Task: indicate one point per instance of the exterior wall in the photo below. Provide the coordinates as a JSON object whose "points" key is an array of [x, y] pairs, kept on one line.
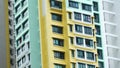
{"points": [[73, 22], [27, 38], [4, 33], [35, 44], [111, 33], [11, 34], [47, 35]]}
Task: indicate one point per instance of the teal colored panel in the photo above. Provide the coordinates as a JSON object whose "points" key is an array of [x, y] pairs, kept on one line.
{"points": [[34, 34]]}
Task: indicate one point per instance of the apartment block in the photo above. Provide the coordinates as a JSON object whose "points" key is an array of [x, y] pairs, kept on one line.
{"points": [[11, 34], [27, 34], [86, 10], [110, 29], [59, 33], [71, 34]]}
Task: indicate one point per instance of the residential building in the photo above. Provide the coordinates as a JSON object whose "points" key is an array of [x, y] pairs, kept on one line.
{"points": [[110, 30], [71, 34], [11, 33], [27, 34], [60, 33]]}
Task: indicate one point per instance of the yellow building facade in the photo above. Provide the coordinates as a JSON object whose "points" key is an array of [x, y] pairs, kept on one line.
{"points": [[60, 49]]}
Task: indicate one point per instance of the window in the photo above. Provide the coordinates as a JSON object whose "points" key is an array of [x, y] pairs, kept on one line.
{"points": [[25, 24], [56, 17], [29, 66], [56, 4], [86, 7], [80, 54], [69, 15], [95, 6], [90, 66], [77, 16], [18, 19], [86, 18], [25, 36], [79, 41], [11, 61], [11, 52], [71, 40], [88, 30], [57, 29], [25, 13], [10, 13], [28, 44], [98, 39], [78, 28], [11, 42], [58, 42], [18, 30], [96, 19], [97, 30], [101, 64], [59, 55], [10, 22], [19, 63], [23, 59], [23, 47], [81, 65], [10, 3], [24, 2], [59, 66], [90, 55], [29, 56], [17, 8], [19, 41], [10, 32], [73, 65], [100, 54], [70, 27], [73, 4], [16, 0], [18, 51], [72, 53], [89, 43]]}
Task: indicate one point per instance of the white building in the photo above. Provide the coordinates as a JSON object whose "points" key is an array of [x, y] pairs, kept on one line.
{"points": [[110, 18]]}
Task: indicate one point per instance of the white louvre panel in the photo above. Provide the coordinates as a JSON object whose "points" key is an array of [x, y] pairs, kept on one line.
{"points": [[110, 40], [108, 17], [113, 52], [110, 29], [108, 6], [113, 63]]}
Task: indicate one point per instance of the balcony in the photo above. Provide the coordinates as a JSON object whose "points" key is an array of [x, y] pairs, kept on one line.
{"points": [[23, 51]]}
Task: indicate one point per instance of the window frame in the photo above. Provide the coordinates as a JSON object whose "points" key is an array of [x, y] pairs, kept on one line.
{"points": [[91, 57], [87, 18], [80, 41], [86, 7], [88, 30], [77, 16], [59, 55], [81, 54], [60, 42], [73, 4], [56, 17], [55, 4], [57, 29]]}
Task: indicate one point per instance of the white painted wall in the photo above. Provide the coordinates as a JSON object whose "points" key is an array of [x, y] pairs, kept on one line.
{"points": [[111, 32]]}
